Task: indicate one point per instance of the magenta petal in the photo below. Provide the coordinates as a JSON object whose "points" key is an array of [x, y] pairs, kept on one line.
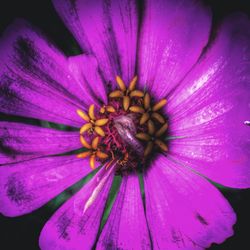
{"points": [[75, 225], [184, 211], [28, 185], [84, 68], [126, 227], [106, 29], [34, 78], [210, 109], [22, 142], [174, 32]]}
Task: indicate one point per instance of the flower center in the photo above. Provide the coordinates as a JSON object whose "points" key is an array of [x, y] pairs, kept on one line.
{"points": [[127, 131], [130, 129]]}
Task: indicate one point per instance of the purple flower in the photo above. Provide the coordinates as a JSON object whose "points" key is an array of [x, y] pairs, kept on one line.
{"points": [[183, 121]]}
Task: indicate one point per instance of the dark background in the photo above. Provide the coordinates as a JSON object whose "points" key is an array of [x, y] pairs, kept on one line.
{"points": [[23, 232]]}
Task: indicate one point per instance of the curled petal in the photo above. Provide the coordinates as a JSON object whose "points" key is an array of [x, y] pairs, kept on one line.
{"points": [[85, 69], [75, 224], [114, 24]]}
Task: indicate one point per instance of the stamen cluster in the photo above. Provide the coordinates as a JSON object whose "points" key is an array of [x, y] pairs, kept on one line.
{"points": [[129, 129]]}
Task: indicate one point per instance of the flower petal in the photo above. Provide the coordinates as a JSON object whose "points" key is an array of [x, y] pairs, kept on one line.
{"points": [[209, 110], [107, 30], [173, 34], [126, 227], [75, 225], [184, 211], [28, 185], [84, 68], [34, 78], [22, 142]]}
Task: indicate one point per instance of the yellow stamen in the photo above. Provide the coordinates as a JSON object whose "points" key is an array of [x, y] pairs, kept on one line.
{"points": [[120, 83], [162, 130], [116, 94], [126, 102], [132, 84], [110, 109], [92, 161], [92, 112], [146, 101], [158, 117], [84, 154], [84, 142], [136, 93], [101, 155], [151, 127], [99, 131], [148, 148], [85, 127], [94, 143], [159, 105], [136, 109], [101, 122], [161, 145], [143, 136], [83, 115], [102, 110], [144, 118]]}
